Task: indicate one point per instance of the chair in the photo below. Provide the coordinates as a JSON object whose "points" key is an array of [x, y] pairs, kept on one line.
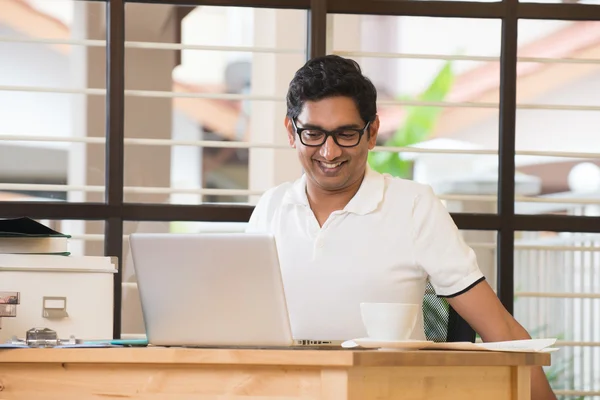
{"points": [[442, 323]]}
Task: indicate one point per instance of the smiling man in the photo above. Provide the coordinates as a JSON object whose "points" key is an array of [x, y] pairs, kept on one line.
{"points": [[347, 234]]}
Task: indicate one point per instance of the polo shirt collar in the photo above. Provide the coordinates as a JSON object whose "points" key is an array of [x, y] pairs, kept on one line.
{"points": [[367, 198]]}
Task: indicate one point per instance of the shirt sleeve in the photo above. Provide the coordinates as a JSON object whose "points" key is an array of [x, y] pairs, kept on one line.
{"points": [[440, 249]]}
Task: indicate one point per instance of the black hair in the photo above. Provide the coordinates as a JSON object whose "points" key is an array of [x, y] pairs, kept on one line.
{"points": [[330, 76]]}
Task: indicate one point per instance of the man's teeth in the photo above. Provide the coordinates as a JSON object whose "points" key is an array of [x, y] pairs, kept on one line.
{"points": [[328, 165]]}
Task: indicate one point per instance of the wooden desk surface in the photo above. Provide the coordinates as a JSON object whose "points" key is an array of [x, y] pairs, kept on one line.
{"points": [[290, 357], [250, 374]]}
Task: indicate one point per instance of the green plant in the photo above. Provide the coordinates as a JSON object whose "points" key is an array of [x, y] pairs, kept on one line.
{"points": [[418, 125]]}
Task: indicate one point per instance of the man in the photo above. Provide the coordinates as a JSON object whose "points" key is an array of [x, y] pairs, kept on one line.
{"points": [[346, 234]]}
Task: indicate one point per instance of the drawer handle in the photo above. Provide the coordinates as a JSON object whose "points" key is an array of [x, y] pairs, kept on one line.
{"points": [[54, 307]]}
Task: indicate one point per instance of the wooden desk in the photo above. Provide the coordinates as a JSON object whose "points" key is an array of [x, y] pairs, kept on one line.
{"points": [[202, 374]]}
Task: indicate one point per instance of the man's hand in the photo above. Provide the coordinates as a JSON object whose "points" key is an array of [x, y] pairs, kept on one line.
{"points": [[482, 309]]}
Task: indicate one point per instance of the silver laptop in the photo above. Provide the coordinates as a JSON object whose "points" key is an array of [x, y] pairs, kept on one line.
{"points": [[213, 290]]}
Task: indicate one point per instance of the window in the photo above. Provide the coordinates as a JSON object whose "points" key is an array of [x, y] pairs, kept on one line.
{"points": [[147, 126], [201, 121], [557, 81], [557, 281], [431, 89], [52, 113]]}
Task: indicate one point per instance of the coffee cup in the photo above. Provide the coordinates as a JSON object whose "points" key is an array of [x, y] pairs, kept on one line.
{"points": [[389, 321]]}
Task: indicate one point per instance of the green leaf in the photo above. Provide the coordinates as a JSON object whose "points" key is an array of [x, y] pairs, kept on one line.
{"points": [[390, 163], [420, 121], [418, 125], [379, 158]]}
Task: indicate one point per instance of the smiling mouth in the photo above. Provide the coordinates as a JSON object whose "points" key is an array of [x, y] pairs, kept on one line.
{"points": [[330, 168], [330, 165]]}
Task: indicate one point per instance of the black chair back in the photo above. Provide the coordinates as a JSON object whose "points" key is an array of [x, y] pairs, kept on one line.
{"points": [[441, 322]]}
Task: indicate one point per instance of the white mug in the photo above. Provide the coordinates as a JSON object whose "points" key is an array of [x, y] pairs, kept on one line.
{"points": [[389, 321]]}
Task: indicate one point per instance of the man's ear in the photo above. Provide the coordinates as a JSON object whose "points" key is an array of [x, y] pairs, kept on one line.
{"points": [[372, 131], [290, 131]]}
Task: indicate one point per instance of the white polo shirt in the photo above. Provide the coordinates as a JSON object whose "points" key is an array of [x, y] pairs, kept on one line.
{"points": [[382, 247]]}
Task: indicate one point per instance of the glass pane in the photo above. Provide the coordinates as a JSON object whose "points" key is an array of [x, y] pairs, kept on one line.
{"points": [[227, 88], [558, 88], [87, 237], [437, 95], [484, 244], [557, 286], [52, 112]]}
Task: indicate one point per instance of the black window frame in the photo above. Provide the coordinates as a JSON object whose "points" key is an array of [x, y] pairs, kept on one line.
{"points": [[115, 212]]}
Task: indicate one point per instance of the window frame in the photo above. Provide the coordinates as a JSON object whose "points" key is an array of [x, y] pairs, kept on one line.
{"points": [[115, 212]]}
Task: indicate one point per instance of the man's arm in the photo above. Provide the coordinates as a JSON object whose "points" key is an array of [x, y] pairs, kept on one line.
{"points": [[482, 309]]}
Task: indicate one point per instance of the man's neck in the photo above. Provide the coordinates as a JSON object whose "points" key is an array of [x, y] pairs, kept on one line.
{"points": [[327, 201]]}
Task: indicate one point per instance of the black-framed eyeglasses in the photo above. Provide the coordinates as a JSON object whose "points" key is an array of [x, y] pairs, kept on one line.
{"points": [[343, 137]]}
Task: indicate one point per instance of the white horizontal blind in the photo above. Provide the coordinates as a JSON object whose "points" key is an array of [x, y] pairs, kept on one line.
{"points": [[563, 258], [557, 280], [24, 41], [7, 136], [228, 96]]}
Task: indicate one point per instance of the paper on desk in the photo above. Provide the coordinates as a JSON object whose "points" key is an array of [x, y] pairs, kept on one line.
{"points": [[62, 346], [86, 345], [12, 346], [529, 345]]}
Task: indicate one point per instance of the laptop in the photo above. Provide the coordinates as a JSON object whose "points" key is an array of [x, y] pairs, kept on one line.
{"points": [[213, 290]]}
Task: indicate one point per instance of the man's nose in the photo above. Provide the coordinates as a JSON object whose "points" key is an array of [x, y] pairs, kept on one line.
{"points": [[330, 150]]}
